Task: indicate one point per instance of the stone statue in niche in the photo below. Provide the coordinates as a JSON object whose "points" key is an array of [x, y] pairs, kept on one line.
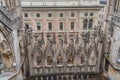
{"points": [[108, 44], [38, 60], [49, 60], [59, 60], [82, 59], [92, 59], [70, 59]]}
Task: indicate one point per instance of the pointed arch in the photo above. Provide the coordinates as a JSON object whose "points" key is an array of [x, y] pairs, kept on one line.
{"points": [[4, 45], [6, 55], [85, 22], [92, 57], [6, 34], [82, 58], [37, 57], [70, 54], [90, 23], [60, 55], [49, 55]]}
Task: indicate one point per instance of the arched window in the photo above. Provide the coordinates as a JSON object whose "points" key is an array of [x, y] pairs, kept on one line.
{"points": [[85, 23], [90, 23], [38, 26]]}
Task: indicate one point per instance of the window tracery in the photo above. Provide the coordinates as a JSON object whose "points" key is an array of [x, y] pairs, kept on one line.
{"points": [[90, 23], [85, 22]]}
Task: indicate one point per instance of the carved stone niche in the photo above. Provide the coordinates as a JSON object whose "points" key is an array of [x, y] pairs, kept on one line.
{"points": [[7, 60]]}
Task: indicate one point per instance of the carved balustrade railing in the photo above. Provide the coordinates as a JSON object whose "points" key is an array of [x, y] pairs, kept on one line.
{"points": [[64, 69]]}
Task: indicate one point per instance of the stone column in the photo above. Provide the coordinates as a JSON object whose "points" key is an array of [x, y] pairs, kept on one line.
{"points": [[41, 78], [57, 77], [36, 78], [81, 77], [87, 77]]}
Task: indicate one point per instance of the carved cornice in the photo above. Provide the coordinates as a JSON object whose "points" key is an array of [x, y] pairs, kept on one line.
{"points": [[62, 8]]}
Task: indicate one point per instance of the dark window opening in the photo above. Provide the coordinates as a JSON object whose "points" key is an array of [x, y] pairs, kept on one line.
{"points": [[38, 26], [50, 25], [61, 25], [72, 25], [85, 23], [91, 14], [49, 15], [26, 25], [90, 23], [38, 15], [72, 14], [26, 15], [86, 14], [61, 14]]}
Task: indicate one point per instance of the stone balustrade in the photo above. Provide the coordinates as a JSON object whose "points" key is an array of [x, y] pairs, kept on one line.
{"points": [[63, 70]]}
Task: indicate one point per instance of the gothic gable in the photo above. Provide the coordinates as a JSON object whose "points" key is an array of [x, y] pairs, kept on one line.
{"points": [[60, 55]]}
